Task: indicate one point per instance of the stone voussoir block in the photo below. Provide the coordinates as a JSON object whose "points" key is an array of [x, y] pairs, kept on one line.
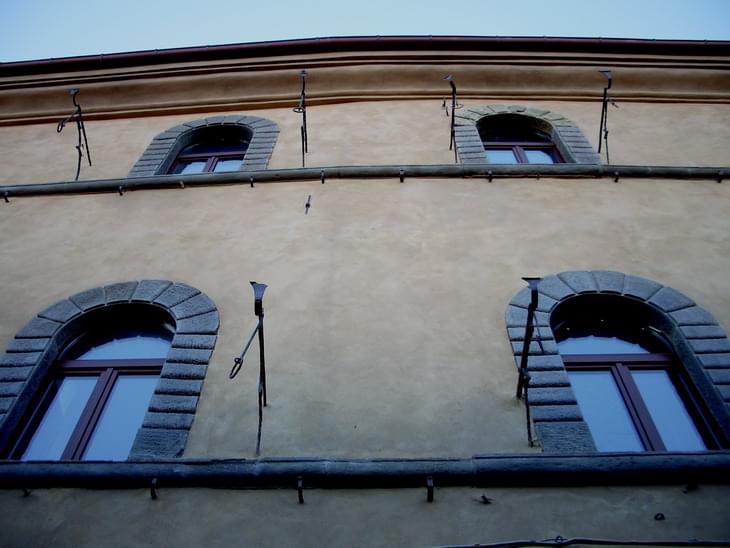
{"points": [[546, 413], [172, 421], [194, 341], [199, 304], [189, 355], [62, 311], [119, 292], [149, 290], [547, 379], [158, 443], [20, 359], [173, 370], [91, 298], [173, 404], [179, 387], [175, 294], [670, 300]]}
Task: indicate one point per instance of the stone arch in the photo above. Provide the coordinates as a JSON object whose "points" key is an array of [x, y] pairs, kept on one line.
{"points": [[699, 342], [31, 354], [164, 148], [567, 137]]}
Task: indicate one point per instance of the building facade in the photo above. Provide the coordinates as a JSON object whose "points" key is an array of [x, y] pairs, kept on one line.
{"points": [[393, 233]]}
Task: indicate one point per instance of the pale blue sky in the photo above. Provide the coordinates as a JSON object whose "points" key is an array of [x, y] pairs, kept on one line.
{"points": [[40, 29]]}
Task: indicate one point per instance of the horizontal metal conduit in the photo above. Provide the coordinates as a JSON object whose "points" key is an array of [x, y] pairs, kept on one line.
{"points": [[401, 172], [488, 470]]}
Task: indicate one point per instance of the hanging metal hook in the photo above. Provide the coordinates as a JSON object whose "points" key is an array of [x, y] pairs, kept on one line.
{"points": [[523, 380]]}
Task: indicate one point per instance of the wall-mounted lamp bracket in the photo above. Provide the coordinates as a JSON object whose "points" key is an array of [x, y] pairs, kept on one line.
{"points": [[83, 143], [603, 129], [302, 109], [523, 379], [454, 106], [258, 307]]}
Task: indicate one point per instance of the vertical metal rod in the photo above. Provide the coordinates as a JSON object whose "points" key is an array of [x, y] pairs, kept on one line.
{"points": [[452, 133], [523, 382], [603, 129], [81, 145], [262, 370], [302, 109]]}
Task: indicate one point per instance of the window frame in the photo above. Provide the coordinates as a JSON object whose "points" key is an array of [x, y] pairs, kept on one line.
{"points": [[107, 373], [620, 367], [519, 147], [210, 158]]}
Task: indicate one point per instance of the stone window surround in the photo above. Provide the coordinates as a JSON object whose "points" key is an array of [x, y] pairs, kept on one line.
{"points": [[35, 348], [567, 137], [160, 154], [699, 342]]}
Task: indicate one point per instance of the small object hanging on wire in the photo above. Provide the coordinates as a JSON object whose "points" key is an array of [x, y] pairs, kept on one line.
{"points": [[83, 143], [258, 294], [523, 382], [302, 109], [454, 106], [603, 130]]}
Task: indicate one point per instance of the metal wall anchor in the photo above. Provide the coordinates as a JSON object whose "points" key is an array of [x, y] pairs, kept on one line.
{"points": [[308, 204], [402, 175], [321, 176], [300, 489], [153, 489], [429, 488], [83, 143]]}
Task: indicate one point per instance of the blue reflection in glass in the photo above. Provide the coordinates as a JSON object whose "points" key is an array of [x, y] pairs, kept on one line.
{"points": [[538, 157], [58, 423], [500, 156], [122, 416], [135, 347], [605, 411], [593, 344], [667, 410]]}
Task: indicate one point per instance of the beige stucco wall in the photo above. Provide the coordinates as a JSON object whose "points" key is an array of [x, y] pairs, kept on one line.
{"points": [[365, 133], [385, 312], [373, 518]]}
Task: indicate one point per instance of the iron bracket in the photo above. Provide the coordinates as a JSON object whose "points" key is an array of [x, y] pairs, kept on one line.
{"points": [[402, 175], [83, 143], [153, 489], [5, 197], [429, 488], [302, 109]]}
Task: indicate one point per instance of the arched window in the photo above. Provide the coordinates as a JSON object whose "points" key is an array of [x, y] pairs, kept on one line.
{"points": [[516, 139], [215, 144], [213, 150], [110, 373], [622, 363], [515, 134], [631, 389], [98, 392]]}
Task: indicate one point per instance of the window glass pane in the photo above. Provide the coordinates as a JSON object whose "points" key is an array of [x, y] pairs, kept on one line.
{"points": [[538, 157], [605, 411], [183, 167], [140, 346], [122, 416], [667, 410], [57, 425], [593, 344], [227, 165], [500, 156]]}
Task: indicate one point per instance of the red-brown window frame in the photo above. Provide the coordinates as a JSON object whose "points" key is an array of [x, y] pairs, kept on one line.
{"points": [[107, 371], [519, 147], [620, 366], [210, 159]]}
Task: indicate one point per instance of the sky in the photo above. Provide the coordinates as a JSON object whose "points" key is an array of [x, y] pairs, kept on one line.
{"points": [[42, 29]]}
